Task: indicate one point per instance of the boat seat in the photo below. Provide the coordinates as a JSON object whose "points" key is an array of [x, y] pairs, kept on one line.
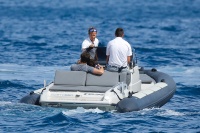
{"points": [[106, 79], [82, 81], [145, 79], [76, 78]]}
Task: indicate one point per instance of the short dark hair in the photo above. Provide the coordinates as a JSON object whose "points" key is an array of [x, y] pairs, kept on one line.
{"points": [[119, 32], [85, 57], [92, 29]]}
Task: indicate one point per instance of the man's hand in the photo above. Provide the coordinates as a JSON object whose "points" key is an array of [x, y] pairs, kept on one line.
{"points": [[92, 45]]}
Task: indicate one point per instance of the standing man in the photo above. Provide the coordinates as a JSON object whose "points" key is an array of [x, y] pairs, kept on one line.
{"points": [[91, 42], [118, 53]]}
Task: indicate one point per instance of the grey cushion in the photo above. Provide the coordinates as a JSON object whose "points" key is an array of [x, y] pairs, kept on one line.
{"points": [[145, 79], [76, 78], [106, 79], [101, 89], [79, 88]]}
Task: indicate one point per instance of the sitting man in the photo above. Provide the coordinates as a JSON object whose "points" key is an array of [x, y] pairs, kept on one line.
{"points": [[118, 53], [84, 65]]}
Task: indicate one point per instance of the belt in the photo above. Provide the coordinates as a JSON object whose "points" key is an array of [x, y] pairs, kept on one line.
{"points": [[121, 68]]}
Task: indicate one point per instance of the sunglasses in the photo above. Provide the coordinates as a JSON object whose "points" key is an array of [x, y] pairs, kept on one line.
{"points": [[92, 30]]}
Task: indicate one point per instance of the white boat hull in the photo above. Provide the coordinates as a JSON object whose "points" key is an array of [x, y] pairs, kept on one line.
{"points": [[146, 89]]}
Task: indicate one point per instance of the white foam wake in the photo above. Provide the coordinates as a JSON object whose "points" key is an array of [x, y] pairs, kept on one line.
{"points": [[2, 103], [81, 110], [169, 113]]}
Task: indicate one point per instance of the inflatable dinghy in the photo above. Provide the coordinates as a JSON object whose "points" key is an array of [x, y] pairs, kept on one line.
{"points": [[122, 91]]}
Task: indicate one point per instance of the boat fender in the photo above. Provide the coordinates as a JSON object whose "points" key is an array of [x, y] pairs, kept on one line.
{"points": [[153, 70]]}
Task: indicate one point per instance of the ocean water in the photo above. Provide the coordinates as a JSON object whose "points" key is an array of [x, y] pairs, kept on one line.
{"points": [[38, 37]]}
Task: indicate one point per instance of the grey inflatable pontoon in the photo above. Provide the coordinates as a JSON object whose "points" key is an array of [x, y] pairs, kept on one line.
{"points": [[124, 92], [156, 96]]}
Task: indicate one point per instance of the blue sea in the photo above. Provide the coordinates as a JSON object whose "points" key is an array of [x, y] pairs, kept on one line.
{"points": [[38, 37]]}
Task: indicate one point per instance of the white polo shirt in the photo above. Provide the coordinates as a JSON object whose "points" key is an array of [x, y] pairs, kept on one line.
{"points": [[118, 49], [87, 42]]}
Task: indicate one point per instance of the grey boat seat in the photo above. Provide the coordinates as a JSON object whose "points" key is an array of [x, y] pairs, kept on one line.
{"points": [[71, 78], [82, 81], [145, 79]]}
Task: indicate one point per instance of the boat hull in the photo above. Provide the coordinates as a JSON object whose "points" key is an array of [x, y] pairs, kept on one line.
{"points": [[105, 107], [155, 96]]}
